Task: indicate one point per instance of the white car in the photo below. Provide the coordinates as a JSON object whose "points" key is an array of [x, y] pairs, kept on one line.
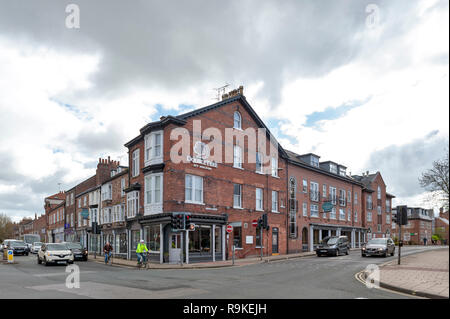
{"points": [[35, 247], [54, 253]]}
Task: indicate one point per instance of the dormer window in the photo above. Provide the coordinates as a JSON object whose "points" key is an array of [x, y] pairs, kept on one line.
{"points": [[333, 168], [314, 161], [342, 171], [237, 120]]}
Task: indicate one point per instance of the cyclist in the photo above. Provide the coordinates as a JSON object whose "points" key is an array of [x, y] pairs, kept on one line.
{"points": [[141, 248], [107, 250]]}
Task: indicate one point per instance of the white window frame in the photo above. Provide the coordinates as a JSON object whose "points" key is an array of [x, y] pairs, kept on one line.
{"points": [[237, 197], [132, 204], [237, 123], [237, 156], [314, 209], [355, 217], [305, 186], [349, 216], [259, 163], [151, 187], [122, 187], [135, 162], [324, 190], [305, 209], [333, 213], [378, 192], [369, 216], [314, 191], [195, 182], [274, 166], [333, 195], [342, 214], [274, 202], [150, 156], [259, 199]]}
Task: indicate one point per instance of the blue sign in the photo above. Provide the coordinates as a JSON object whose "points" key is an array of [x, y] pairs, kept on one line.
{"points": [[327, 207], [85, 213]]}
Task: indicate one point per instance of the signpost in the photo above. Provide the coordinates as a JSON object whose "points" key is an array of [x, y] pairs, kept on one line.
{"points": [[10, 256], [255, 223], [229, 230]]}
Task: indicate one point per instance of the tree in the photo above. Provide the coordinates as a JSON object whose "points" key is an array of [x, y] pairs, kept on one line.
{"points": [[436, 181], [6, 227]]}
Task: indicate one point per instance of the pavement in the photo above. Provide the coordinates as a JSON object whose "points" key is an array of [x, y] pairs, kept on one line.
{"points": [[424, 274], [216, 264]]}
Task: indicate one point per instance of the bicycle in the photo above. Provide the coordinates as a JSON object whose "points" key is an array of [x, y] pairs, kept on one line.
{"points": [[144, 262], [108, 258]]}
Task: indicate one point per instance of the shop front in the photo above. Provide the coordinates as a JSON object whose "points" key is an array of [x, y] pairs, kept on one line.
{"points": [[318, 232]]}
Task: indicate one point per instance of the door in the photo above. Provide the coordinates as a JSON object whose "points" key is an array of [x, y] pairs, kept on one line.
{"points": [[274, 240]]}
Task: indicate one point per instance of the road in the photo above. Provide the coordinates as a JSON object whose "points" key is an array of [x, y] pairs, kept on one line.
{"points": [[299, 278]]}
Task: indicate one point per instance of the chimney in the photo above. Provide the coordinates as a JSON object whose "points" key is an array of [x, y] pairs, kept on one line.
{"points": [[367, 173], [109, 160]]}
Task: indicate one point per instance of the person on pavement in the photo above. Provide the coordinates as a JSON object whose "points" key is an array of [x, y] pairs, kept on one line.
{"points": [[107, 249], [141, 248], [424, 241]]}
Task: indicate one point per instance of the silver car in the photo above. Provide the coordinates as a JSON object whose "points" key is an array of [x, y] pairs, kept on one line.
{"points": [[378, 247], [35, 247]]}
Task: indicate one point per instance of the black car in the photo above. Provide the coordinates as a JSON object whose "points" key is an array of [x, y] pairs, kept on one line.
{"points": [[333, 245], [79, 252], [18, 247]]}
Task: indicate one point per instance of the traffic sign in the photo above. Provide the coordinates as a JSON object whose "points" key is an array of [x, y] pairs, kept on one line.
{"points": [[10, 256], [229, 229], [255, 223]]}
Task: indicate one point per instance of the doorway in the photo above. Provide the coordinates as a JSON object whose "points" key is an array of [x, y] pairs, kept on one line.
{"points": [[274, 240]]}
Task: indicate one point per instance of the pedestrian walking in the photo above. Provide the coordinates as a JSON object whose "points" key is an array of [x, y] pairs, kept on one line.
{"points": [[107, 249], [425, 241]]}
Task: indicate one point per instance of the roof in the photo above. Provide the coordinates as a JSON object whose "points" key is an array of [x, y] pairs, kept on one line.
{"points": [[293, 159], [181, 119], [444, 220]]}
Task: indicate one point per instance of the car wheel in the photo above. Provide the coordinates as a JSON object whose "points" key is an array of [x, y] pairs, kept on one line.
{"points": [[393, 253], [385, 254], [363, 255], [46, 262], [337, 252], [38, 260], [346, 251]]}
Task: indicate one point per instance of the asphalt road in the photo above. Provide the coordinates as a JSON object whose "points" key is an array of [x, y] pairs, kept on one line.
{"points": [[300, 278]]}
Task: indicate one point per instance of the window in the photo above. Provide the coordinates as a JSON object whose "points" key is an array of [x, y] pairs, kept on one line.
{"points": [[72, 199], [153, 148], [388, 206], [275, 201], [314, 191], [259, 199], [342, 197], [106, 192], [379, 210], [356, 198], [132, 203], [305, 209], [314, 161], [388, 218], [194, 189], [333, 168], [314, 210], [293, 224], [237, 120], [324, 190], [122, 187], [274, 163], [369, 202], [341, 214], [342, 171], [237, 158], [237, 196], [135, 163], [305, 186], [356, 216], [349, 215], [379, 192], [349, 197], [79, 202], [378, 228], [333, 195], [84, 203], [153, 187], [369, 216], [333, 213], [259, 167], [71, 220]]}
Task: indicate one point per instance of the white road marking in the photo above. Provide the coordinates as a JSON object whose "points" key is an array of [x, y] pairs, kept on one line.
{"points": [[63, 273]]}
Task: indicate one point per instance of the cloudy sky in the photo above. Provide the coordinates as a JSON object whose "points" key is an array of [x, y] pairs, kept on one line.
{"points": [[362, 83]]}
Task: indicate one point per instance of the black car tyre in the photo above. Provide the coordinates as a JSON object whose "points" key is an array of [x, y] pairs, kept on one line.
{"points": [[39, 260], [337, 252], [385, 253], [393, 252], [363, 255], [346, 251], [46, 262]]}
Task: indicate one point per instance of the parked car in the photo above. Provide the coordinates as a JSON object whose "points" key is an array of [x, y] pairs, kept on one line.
{"points": [[35, 247], [79, 252], [18, 247], [6, 242], [333, 245], [378, 247], [54, 253]]}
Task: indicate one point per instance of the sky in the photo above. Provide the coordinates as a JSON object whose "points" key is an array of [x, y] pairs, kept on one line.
{"points": [[361, 83]]}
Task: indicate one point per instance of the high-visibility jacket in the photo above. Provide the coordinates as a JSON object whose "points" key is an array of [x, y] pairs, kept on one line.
{"points": [[141, 248]]}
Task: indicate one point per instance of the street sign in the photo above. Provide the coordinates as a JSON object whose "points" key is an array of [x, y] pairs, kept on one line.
{"points": [[229, 229], [327, 207], [10, 256], [255, 223]]}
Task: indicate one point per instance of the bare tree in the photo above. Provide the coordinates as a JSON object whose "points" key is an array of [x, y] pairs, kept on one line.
{"points": [[436, 180], [6, 227]]}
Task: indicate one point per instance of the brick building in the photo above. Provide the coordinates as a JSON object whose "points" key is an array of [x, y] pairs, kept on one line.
{"points": [[376, 205], [312, 186], [55, 228], [40, 227], [50, 203], [226, 190], [441, 226], [419, 226]]}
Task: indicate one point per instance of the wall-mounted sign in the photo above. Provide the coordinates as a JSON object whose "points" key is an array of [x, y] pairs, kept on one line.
{"points": [[200, 159], [85, 213], [327, 207]]}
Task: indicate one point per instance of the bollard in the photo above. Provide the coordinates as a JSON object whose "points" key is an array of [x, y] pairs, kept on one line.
{"points": [[233, 253]]}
